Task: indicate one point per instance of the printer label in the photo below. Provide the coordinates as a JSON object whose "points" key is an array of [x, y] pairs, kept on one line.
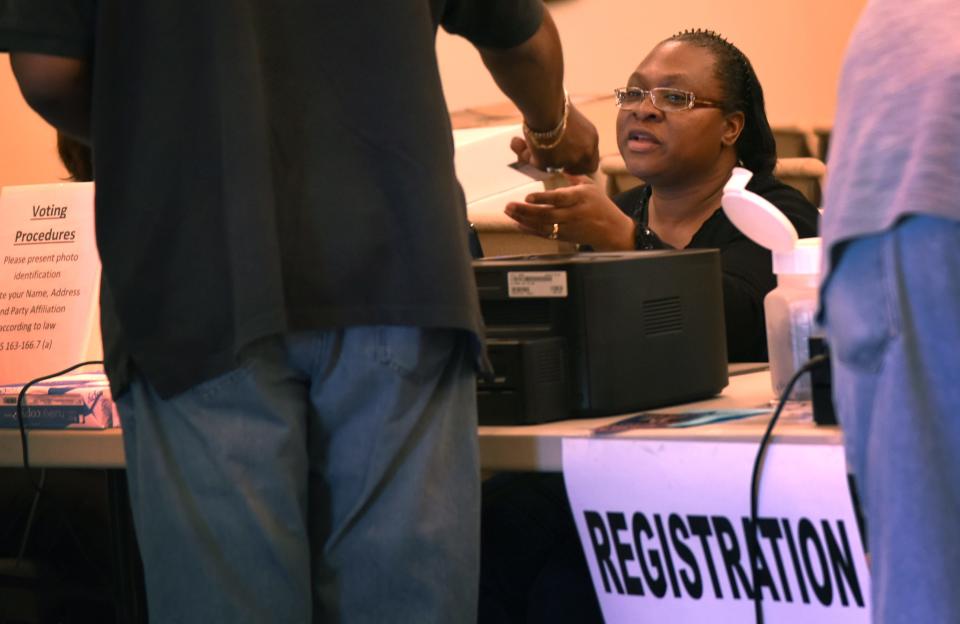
{"points": [[537, 283]]}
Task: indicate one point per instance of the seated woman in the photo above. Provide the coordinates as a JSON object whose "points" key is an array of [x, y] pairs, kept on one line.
{"points": [[691, 111]]}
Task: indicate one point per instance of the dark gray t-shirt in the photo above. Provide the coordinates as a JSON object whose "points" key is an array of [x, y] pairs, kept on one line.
{"points": [[267, 167]]}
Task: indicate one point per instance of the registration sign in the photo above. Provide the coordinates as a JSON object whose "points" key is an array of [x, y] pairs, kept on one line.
{"points": [[665, 526]]}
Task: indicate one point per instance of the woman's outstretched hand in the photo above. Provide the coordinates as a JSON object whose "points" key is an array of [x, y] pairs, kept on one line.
{"points": [[581, 213]]}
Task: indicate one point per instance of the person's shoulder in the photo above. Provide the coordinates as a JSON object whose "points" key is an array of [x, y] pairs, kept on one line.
{"points": [[54, 28], [791, 202]]}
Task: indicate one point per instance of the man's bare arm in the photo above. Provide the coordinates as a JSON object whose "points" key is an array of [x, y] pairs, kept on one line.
{"points": [[57, 88], [531, 75]]}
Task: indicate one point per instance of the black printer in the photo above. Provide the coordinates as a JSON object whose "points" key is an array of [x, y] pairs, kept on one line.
{"points": [[592, 334]]}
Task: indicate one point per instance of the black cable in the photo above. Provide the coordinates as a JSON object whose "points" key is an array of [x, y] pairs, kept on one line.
{"points": [[24, 448], [754, 543]]}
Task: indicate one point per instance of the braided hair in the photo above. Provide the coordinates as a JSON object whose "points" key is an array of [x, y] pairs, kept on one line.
{"points": [[756, 148]]}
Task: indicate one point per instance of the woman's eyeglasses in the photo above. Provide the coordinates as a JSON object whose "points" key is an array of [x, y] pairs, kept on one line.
{"points": [[664, 98]]}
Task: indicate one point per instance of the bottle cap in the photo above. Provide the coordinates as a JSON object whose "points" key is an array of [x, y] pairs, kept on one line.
{"points": [[755, 216], [764, 224]]}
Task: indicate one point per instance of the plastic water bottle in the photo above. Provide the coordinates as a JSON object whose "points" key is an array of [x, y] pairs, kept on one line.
{"points": [[791, 307], [790, 310]]}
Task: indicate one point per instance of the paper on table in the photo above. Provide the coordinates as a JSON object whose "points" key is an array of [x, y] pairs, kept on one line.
{"points": [[692, 418], [74, 401]]}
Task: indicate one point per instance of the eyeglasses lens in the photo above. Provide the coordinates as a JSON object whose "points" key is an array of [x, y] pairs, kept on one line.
{"points": [[667, 100]]}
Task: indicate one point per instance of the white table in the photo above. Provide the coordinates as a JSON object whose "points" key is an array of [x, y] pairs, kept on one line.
{"points": [[525, 448], [531, 447], [537, 447]]}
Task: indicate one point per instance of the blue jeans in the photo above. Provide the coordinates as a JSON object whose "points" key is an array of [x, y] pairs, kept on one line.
{"points": [[333, 477], [892, 310]]}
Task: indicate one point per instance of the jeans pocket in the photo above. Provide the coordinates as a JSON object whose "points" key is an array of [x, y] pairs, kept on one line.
{"points": [[416, 353], [859, 304], [248, 358], [213, 389]]}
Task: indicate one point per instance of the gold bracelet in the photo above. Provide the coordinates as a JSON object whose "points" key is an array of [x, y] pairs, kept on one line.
{"points": [[549, 139]]}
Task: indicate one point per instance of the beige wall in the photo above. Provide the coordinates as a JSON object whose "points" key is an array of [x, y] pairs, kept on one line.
{"points": [[795, 45]]}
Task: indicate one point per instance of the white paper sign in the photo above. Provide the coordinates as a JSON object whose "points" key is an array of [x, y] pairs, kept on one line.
{"points": [[663, 526], [481, 158], [49, 280]]}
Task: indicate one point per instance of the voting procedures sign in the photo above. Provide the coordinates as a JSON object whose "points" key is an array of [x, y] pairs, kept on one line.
{"points": [[49, 280], [665, 527]]}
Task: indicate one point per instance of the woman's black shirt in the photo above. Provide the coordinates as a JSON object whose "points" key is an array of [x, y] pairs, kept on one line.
{"points": [[747, 267]]}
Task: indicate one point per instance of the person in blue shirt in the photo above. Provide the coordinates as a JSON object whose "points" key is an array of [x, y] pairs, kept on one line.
{"points": [[891, 298]]}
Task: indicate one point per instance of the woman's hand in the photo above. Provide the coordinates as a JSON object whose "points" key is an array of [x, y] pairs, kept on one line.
{"points": [[581, 213]]}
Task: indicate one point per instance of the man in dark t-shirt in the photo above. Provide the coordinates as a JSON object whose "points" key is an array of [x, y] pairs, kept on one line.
{"points": [[290, 318]]}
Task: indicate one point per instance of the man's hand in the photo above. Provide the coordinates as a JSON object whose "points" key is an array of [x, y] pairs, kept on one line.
{"points": [[577, 152]]}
